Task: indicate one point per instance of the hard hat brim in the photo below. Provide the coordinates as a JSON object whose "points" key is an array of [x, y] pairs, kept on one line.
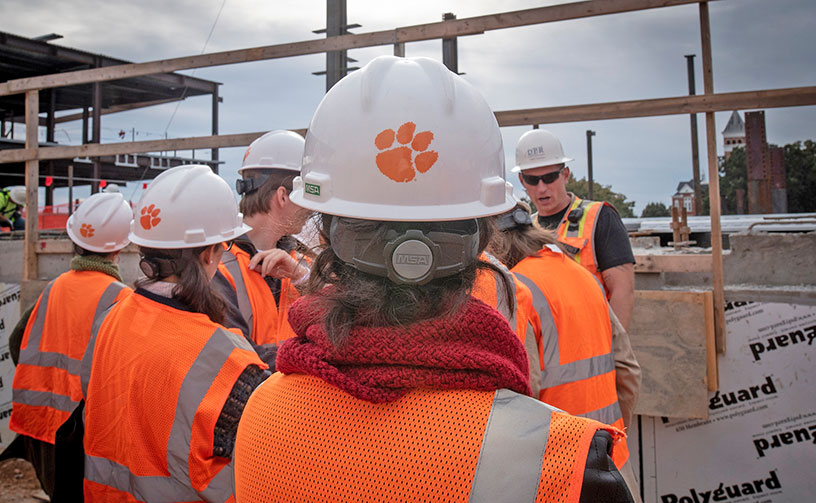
{"points": [[179, 244]]}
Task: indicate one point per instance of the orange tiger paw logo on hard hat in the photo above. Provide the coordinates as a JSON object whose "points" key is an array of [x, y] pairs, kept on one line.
{"points": [[86, 230], [398, 163], [150, 217]]}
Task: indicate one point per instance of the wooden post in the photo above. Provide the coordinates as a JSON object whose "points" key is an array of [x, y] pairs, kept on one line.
{"points": [[70, 189], [32, 176], [713, 185], [97, 133], [214, 151]]}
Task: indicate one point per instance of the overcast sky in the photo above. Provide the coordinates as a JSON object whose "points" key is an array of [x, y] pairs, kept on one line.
{"points": [[757, 44]]}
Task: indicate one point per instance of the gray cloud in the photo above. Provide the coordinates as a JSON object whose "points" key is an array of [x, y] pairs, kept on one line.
{"points": [[756, 44]]}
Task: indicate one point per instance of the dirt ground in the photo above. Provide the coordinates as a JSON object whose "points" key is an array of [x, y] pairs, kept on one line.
{"points": [[18, 483]]}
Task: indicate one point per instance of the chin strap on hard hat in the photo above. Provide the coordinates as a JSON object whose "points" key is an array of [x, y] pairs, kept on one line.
{"points": [[407, 253]]}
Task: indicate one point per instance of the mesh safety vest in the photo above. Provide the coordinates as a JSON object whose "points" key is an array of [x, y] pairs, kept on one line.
{"points": [[46, 387], [266, 319], [576, 355], [579, 236], [302, 439], [7, 206], [156, 379]]}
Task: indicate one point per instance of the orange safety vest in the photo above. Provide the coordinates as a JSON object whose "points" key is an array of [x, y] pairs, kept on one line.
{"points": [[489, 289], [156, 379], [267, 320], [301, 438], [576, 355], [46, 386], [580, 236]]}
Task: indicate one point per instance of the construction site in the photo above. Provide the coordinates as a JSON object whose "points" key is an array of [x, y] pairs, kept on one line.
{"points": [[724, 317]]}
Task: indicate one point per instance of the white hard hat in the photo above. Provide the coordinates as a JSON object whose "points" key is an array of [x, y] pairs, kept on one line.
{"points": [[17, 194], [101, 223], [186, 207], [279, 149], [403, 139], [537, 148], [111, 188]]}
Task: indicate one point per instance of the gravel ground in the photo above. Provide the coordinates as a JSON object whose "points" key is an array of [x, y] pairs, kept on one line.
{"points": [[18, 483]]}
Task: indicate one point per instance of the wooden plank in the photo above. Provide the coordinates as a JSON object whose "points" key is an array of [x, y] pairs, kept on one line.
{"points": [[714, 184], [712, 369], [430, 31], [32, 172], [95, 150], [672, 263], [668, 335], [745, 100], [615, 110]]}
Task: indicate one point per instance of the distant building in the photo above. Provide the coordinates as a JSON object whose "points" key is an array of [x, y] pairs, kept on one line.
{"points": [[684, 197], [733, 134]]}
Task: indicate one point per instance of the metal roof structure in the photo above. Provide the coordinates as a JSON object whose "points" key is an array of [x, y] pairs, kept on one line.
{"points": [[22, 57]]}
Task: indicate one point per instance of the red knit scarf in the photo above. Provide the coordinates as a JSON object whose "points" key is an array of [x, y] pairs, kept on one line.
{"points": [[476, 349]]}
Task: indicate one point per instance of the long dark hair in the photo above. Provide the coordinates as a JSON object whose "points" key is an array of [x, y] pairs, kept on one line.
{"points": [[193, 288], [361, 299]]}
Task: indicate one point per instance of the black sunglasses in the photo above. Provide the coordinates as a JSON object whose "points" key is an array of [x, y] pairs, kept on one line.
{"points": [[547, 179], [228, 244]]}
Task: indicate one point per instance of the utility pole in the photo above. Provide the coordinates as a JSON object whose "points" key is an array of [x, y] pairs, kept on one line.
{"points": [[590, 181], [336, 25], [695, 149]]}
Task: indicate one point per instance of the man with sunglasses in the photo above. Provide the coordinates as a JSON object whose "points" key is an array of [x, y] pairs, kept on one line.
{"points": [[591, 230]]}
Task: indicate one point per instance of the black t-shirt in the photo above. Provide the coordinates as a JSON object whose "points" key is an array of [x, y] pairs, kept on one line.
{"points": [[612, 247]]}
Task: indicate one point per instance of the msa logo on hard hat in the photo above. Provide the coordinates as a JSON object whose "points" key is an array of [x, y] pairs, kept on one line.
{"points": [[412, 259], [399, 163], [311, 188]]}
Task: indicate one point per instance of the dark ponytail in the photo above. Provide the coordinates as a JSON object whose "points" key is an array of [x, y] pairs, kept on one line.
{"points": [[193, 288]]}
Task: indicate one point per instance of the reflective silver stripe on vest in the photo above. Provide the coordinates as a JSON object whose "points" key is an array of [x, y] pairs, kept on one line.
{"points": [[230, 261], [87, 358], [555, 373], [178, 487], [551, 356], [32, 355], [501, 300], [606, 415], [44, 399], [153, 489], [512, 452]]}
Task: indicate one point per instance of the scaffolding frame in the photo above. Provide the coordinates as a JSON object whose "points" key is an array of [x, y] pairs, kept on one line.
{"points": [[706, 103]]}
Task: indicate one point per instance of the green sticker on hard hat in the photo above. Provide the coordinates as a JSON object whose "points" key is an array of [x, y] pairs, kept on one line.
{"points": [[312, 189]]}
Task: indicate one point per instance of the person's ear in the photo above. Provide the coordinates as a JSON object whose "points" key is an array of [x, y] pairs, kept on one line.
{"points": [[280, 197], [209, 254]]}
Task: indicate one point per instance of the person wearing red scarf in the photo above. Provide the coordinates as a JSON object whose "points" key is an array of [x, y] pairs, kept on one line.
{"points": [[398, 385]]}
